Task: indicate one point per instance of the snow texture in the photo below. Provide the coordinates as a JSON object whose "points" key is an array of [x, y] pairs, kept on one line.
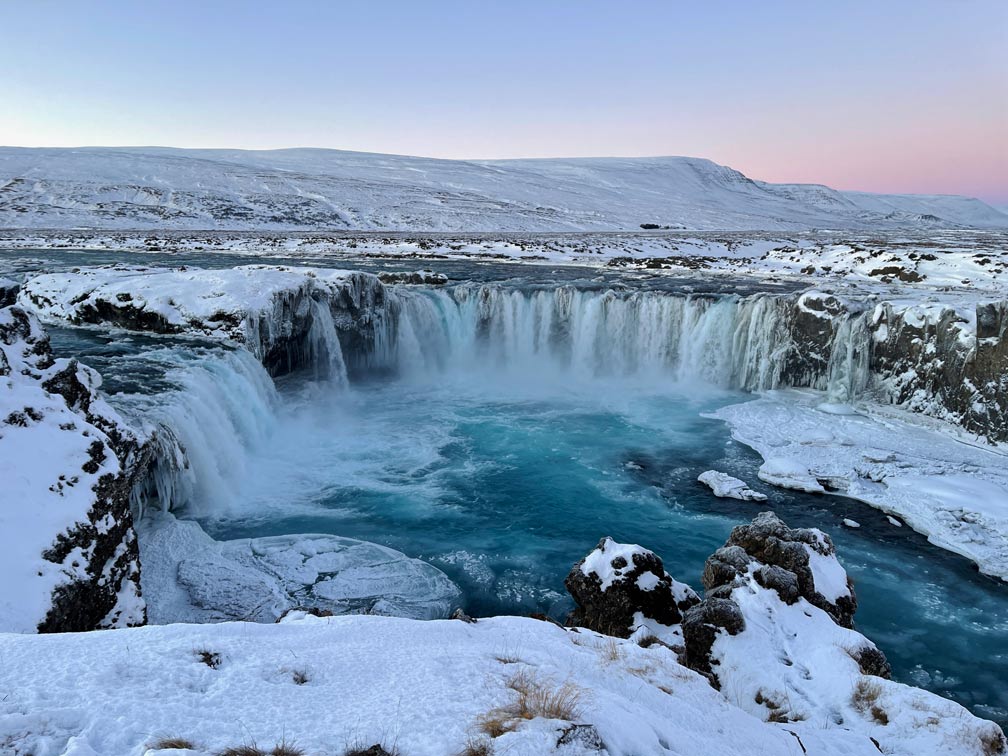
{"points": [[163, 188], [421, 686], [793, 664]]}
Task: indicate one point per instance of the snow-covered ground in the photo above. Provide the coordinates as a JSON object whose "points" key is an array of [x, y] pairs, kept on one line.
{"points": [[426, 688], [149, 187], [941, 483]]}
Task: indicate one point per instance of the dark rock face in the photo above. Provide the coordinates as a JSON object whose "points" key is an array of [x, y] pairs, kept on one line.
{"points": [[931, 366], [931, 369], [871, 661], [8, 292], [584, 735], [782, 554], [701, 627], [415, 278], [102, 544], [635, 584]]}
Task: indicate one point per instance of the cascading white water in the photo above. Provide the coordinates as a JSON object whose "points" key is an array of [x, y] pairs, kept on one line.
{"points": [[225, 404], [848, 371], [731, 341], [324, 351]]}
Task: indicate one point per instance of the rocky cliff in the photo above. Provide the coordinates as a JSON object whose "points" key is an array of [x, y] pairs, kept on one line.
{"points": [[67, 544]]}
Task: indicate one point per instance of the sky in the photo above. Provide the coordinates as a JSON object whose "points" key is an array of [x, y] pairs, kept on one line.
{"points": [[879, 96]]}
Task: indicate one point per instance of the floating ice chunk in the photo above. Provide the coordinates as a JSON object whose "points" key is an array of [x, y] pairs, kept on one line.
{"points": [[786, 472], [894, 521], [727, 487], [851, 523]]}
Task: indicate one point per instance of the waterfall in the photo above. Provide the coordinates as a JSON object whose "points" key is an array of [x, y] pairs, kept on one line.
{"points": [[200, 432], [730, 341], [324, 351], [225, 403], [848, 371]]}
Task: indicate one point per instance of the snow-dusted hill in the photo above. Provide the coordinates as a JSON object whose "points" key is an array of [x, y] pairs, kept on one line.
{"points": [[163, 188]]}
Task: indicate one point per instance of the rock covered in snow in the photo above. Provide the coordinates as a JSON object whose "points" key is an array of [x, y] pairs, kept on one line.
{"points": [[270, 309], [727, 487], [791, 663], [415, 278], [795, 562], [68, 463], [618, 587]]}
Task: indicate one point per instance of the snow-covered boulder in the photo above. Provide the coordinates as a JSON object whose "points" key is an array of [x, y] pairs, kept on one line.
{"points": [[775, 634], [727, 487], [794, 562], [792, 664], [68, 550], [620, 588]]}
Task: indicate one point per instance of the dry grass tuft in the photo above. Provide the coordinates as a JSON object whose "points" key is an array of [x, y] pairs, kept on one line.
{"points": [[993, 742], [210, 658], [300, 676], [243, 750], [610, 651], [166, 744], [283, 748], [535, 698], [477, 747], [865, 694]]}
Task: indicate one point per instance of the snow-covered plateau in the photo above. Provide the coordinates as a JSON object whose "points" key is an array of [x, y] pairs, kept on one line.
{"points": [[881, 366], [158, 188]]}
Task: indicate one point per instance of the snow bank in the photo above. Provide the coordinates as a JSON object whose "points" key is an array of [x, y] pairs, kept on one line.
{"points": [[954, 492], [421, 686]]}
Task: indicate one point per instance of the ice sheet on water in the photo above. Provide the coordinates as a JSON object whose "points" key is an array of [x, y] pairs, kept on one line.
{"points": [[192, 578]]}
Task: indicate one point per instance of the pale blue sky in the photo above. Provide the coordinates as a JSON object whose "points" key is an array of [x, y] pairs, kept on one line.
{"points": [[886, 96]]}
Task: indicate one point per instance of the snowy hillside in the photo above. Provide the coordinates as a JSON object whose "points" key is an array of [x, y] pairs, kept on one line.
{"points": [[159, 188]]}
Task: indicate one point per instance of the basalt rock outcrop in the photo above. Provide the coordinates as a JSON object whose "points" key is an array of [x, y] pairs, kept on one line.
{"points": [[617, 585], [794, 562], [70, 464]]}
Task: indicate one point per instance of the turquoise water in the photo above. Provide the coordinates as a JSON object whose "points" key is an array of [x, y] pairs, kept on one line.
{"points": [[504, 485]]}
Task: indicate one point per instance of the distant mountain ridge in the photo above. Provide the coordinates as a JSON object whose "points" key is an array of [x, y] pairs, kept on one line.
{"points": [[304, 189]]}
